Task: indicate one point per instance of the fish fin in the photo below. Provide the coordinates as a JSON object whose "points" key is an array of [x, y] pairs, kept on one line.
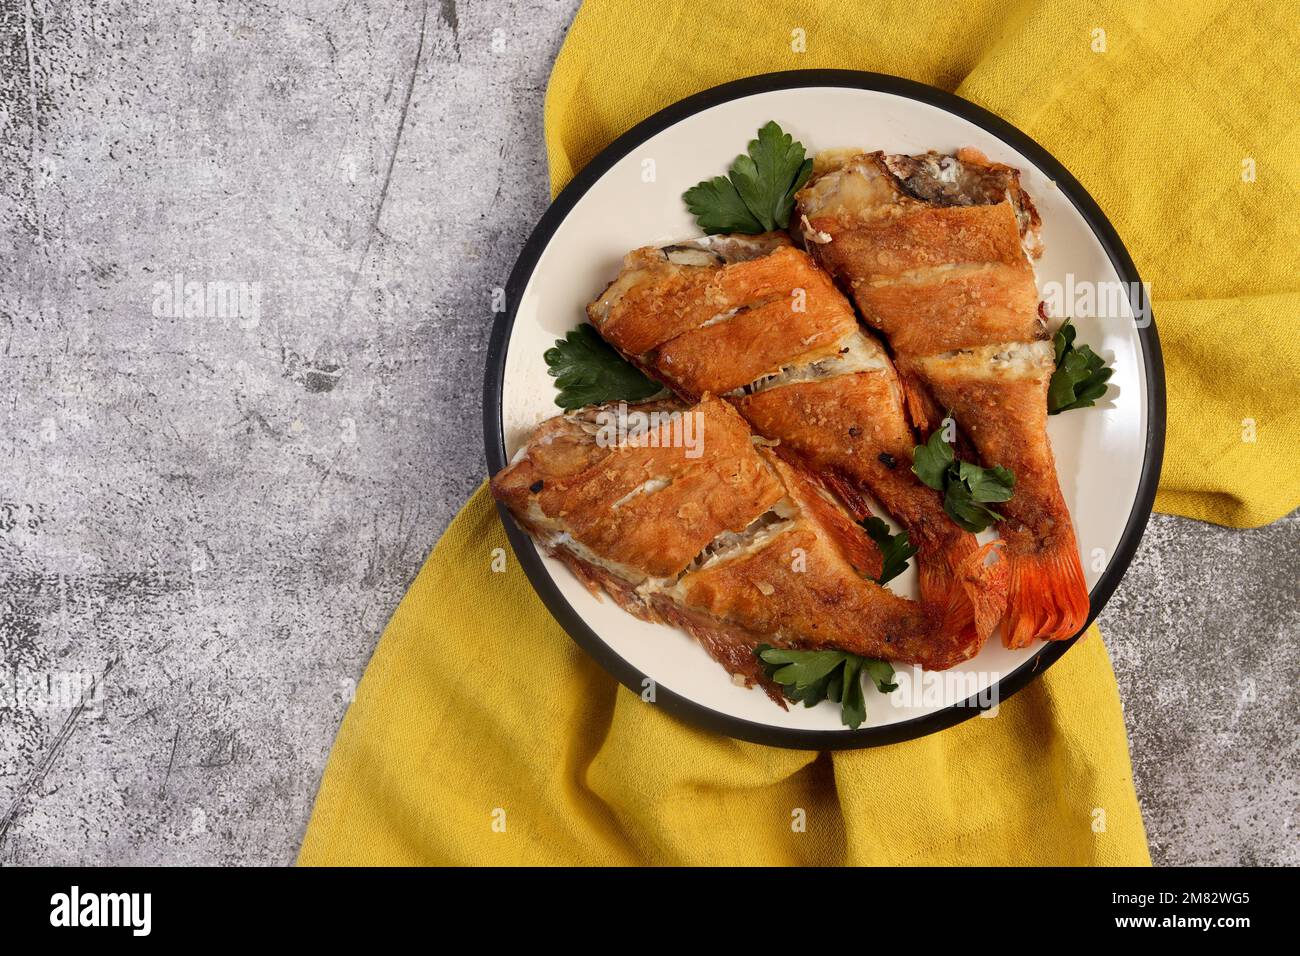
{"points": [[926, 414], [986, 587], [922, 409], [937, 564], [849, 493], [971, 591], [731, 646], [1048, 597]]}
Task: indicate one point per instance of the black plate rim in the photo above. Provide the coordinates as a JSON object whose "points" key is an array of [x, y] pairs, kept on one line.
{"points": [[573, 623]]}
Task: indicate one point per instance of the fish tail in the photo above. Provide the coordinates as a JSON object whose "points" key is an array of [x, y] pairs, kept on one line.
{"points": [[971, 591], [937, 564], [1048, 597], [985, 589]]}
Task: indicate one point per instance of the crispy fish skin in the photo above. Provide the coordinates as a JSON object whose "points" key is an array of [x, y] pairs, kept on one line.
{"points": [[1002, 393], [783, 564], [965, 305], [652, 504], [931, 279], [864, 412], [644, 314], [936, 252], [730, 354], [772, 332], [827, 603]]}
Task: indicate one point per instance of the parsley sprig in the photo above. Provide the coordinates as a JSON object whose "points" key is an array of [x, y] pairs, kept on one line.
{"points": [[811, 677], [1080, 377], [967, 489], [758, 195], [895, 549], [588, 371]]}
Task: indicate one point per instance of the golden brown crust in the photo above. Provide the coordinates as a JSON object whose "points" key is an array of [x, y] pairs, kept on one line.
{"points": [[841, 426], [826, 604], [1026, 212], [757, 341], [662, 530], [931, 247], [853, 427], [653, 304], [841, 529], [1005, 417], [939, 266], [866, 188], [653, 504], [841, 420], [559, 447], [797, 581], [920, 237], [942, 308], [802, 588]]}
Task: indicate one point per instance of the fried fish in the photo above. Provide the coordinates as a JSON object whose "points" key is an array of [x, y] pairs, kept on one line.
{"points": [[721, 536], [937, 251], [755, 320]]}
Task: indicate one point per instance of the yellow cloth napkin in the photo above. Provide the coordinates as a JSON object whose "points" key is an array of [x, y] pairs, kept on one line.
{"points": [[482, 734], [477, 710]]}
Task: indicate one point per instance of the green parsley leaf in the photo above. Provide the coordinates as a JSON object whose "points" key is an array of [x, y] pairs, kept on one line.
{"points": [[1080, 377], [895, 549], [810, 677], [987, 484], [803, 668], [758, 194], [1063, 340], [930, 462], [853, 706], [717, 207], [967, 488], [769, 176], [965, 510], [881, 674], [588, 371]]}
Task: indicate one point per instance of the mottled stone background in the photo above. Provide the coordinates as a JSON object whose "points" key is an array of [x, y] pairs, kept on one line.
{"points": [[214, 517]]}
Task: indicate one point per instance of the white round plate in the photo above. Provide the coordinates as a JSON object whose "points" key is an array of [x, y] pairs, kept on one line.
{"points": [[1108, 457]]}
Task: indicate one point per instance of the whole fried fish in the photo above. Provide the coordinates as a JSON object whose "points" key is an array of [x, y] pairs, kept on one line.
{"points": [[936, 251], [691, 520]]}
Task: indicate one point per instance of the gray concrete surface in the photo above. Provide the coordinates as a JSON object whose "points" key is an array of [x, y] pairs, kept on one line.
{"points": [[210, 514]]}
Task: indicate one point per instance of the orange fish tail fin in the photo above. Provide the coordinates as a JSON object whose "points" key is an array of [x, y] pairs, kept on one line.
{"points": [[938, 562], [971, 592], [1048, 598], [985, 589]]}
